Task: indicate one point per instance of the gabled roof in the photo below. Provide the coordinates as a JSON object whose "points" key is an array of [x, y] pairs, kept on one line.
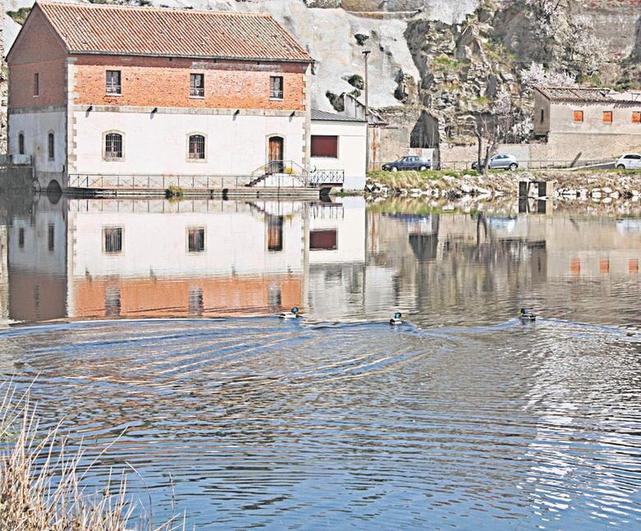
{"points": [[333, 117], [589, 95], [123, 30]]}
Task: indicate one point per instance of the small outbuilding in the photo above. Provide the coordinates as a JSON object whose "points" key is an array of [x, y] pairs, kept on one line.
{"points": [[338, 149]]}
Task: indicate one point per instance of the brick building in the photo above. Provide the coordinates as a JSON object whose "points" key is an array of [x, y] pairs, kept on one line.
{"points": [[110, 90]]}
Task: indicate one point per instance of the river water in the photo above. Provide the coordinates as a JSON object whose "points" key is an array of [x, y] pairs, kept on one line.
{"points": [[149, 326]]}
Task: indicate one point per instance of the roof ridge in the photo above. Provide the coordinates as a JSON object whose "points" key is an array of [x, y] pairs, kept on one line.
{"points": [[153, 8]]}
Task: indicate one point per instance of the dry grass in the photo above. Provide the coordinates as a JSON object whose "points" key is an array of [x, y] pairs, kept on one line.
{"points": [[41, 485]]}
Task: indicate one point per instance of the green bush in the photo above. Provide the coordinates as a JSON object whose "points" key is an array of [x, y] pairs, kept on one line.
{"points": [[174, 192]]}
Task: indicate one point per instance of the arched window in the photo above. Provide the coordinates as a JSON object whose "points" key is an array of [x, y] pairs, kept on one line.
{"points": [[196, 147], [21, 144], [51, 146], [113, 146]]}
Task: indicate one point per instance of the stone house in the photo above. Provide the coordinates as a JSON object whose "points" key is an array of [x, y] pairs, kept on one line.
{"points": [[586, 123], [111, 90]]}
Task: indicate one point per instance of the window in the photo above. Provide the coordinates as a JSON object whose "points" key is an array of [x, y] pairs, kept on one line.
{"points": [[276, 87], [196, 147], [113, 146], [36, 84], [112, 302], [542, 115], [196, 240], [196, 301], [51, 146], [112, 237], [322, 240], [112, 85], [21, 144], [197, 85], [51, 237], [578, 117], [607, 117], [21, 237], [636, 117], [274, 296], [325, 146]]}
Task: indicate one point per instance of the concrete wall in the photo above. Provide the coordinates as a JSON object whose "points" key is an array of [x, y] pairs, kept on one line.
{"points": [[157, 143], [352, 149]]}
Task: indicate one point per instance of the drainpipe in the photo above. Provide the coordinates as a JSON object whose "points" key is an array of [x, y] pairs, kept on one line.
{"points": [[366, 55]]}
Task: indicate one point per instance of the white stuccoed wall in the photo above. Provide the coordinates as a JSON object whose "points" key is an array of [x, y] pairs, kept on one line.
{"points": [[157, 144], [235, 244], [36, 127], [352, 146]]}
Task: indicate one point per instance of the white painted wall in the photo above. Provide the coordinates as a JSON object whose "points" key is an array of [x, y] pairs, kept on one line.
{"points": [[157, 144], [235, 243], [35, 255], [349, 221], [352, 149], [36, 127]]}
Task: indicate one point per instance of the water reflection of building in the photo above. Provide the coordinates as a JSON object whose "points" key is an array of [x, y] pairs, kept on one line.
{"points": [[463, 263], [152, 258]]}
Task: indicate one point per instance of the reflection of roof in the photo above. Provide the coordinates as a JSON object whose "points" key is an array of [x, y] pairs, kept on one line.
{"points": [[589, 95], [332, 117], [117, 30]]}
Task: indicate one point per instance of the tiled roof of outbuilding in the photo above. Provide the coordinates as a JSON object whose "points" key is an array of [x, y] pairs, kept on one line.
{"points": [[589, 95], [118, 30], [333, 117]]}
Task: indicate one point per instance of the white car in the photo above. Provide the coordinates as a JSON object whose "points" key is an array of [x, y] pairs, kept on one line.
{"points": [[629, 161]]}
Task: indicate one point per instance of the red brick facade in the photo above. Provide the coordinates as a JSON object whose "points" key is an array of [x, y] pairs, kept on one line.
{"points": [[146, 81], [37, 51], [164, 82]]}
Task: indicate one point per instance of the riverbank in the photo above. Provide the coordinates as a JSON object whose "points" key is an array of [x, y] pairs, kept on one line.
{"points": [[447, 184]]}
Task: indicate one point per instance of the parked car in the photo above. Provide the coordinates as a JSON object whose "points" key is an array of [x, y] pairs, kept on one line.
{"points": [[410, 162], [500, 162], [629, 161]]}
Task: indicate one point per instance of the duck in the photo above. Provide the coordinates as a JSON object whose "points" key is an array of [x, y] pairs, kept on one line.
{"points": [[526, 315], [294, 313], [396, 319]]}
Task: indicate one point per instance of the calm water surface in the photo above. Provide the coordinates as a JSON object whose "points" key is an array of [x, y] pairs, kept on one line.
{"points": [[160, 336]]}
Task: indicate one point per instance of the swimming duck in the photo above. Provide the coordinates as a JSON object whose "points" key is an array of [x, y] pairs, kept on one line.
{"points": [[292, 314], [526, 315], [396, 319]]}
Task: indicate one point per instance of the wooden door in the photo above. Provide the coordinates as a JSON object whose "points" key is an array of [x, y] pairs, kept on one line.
{"points": [[275, 154]]}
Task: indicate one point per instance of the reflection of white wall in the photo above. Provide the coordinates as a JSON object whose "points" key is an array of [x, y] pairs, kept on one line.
{"points": [[235, 243], [35, 255], [36, 127], [349, 221], [157, 143], [352, 148]]}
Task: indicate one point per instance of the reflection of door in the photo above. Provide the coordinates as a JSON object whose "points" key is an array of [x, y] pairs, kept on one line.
{"points": [[275, 154]]}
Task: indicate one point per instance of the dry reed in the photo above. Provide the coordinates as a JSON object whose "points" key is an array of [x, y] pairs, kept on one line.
{"points": [[40, 483]]}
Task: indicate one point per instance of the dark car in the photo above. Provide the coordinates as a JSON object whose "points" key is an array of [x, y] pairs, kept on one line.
{"points": [[411, 162]]}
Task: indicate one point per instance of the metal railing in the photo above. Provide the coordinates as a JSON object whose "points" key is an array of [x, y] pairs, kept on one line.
{"points": [[155, 182], [320, 177], [279, 168], [15, 160]]}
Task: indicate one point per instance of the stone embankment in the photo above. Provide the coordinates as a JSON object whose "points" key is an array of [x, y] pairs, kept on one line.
{"points": [[604, 185]]}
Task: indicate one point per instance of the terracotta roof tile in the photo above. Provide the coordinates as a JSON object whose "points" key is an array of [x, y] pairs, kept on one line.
{"points": [[589, 95], [117, 30]]}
